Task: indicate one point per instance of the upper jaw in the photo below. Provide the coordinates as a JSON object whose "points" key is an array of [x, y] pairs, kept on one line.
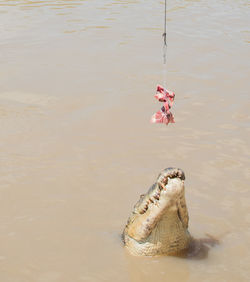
{"points": [[167, 183], [170, 173], [162, 195], [173, 189]]}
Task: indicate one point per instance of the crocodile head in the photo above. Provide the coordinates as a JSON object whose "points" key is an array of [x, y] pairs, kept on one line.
{"points": [[159, 222]]}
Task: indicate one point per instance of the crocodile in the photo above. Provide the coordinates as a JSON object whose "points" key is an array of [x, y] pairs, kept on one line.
{"points": [[158, 224]]}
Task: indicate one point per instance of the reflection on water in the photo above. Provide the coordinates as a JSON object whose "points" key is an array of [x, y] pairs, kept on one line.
{"points": [[77, 80]]}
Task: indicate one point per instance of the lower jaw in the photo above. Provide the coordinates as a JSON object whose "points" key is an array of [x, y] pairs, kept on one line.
{"points": [[158, 248]]}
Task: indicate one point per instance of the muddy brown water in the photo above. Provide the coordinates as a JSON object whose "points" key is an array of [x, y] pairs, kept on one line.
{"points": [[77, 80]]}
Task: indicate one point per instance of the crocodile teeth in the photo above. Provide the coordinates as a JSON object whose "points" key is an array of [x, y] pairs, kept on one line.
{"points": [[161, 185], [157, 197]]}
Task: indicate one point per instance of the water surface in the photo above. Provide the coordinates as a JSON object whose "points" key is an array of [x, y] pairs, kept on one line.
{"points": [[77, 80]]}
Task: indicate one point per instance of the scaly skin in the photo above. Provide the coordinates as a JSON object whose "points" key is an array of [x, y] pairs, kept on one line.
{"points": [[158, 224]]}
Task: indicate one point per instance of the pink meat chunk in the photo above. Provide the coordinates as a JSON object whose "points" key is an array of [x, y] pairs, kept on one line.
{"points": [[164, 115]]}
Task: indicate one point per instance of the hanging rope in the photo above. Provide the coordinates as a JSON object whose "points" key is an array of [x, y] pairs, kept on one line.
{"points": [[165, 47], [165, 36]]}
